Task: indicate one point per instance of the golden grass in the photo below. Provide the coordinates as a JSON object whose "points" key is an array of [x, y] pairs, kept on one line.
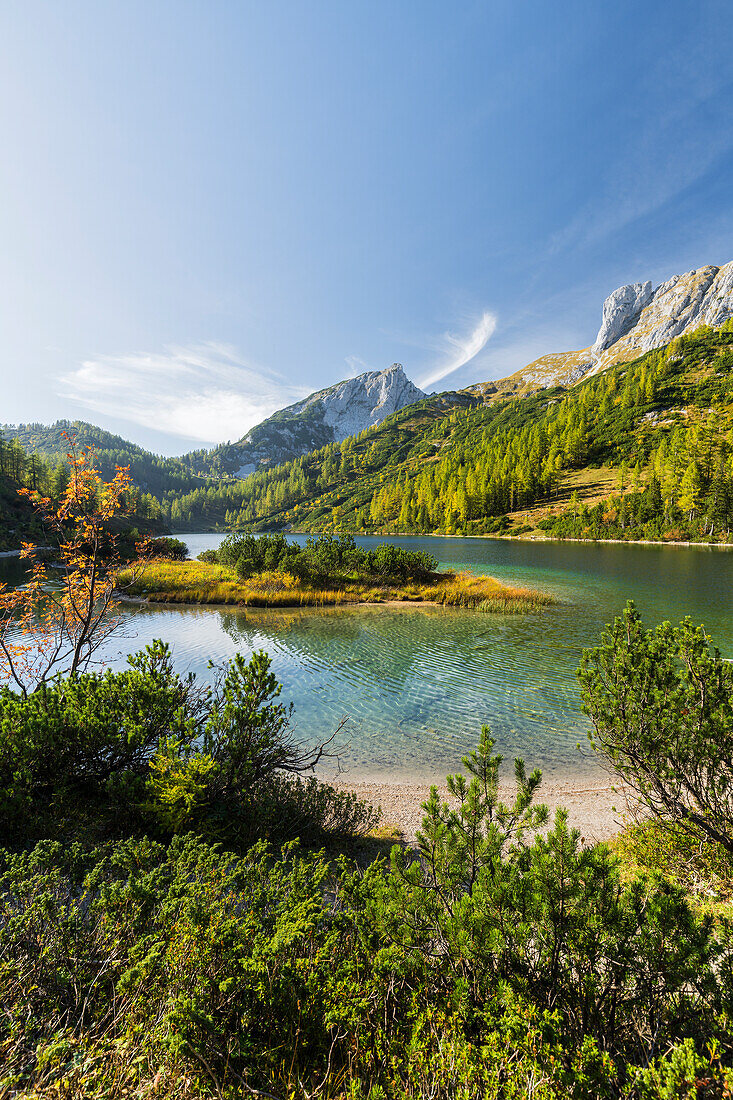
{"points": [[487, 594], [592, 484], [206, 583], [198, 582]]}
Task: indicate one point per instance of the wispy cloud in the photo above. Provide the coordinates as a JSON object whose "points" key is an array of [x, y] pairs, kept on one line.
{"points": [[638, 197], [356, 366], [205, 392], [667, 156], [456, 351]]}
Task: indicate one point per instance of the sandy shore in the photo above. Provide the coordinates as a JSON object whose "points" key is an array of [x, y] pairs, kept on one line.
{"points": [[595, 808]]}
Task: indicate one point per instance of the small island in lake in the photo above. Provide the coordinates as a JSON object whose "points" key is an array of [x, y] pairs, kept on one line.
{"points": [[269, 571]]}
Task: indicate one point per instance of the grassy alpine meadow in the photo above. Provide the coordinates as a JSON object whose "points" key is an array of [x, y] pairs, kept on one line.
{"points": [[197, 582]]}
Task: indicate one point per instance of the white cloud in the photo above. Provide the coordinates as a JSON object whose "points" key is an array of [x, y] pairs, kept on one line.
{"points": [[459, 350], [356, 366], [206, 392]]}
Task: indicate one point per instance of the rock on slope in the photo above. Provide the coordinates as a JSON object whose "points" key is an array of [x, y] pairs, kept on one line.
{"points": [[636, 319], [327, 416], [619, 312], [358, 403]]}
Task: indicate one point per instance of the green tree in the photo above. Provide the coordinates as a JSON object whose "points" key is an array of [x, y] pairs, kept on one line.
{"points": [[689, 496], [661, 704]]}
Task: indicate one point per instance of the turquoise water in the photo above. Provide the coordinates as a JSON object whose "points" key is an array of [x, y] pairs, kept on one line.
{"points": [[416, 683]]}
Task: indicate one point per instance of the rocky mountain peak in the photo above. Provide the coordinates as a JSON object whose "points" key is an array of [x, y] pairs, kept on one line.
{"points": [[327, 416], [636, 319], [620, 310], [358, 403]]}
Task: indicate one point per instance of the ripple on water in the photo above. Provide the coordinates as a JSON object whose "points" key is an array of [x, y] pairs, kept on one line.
{"points": [[417, 683]]}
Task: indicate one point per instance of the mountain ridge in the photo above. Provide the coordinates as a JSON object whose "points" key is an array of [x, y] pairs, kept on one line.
{"points": [[636, 319], [222, 486], [328, 415], [645, 445]]}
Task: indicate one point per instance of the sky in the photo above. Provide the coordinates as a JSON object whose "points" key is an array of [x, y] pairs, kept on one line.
{"points": [[211, 209]]}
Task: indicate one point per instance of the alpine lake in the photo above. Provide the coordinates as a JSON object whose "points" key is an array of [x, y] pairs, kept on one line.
{"points": [[415, 683]]}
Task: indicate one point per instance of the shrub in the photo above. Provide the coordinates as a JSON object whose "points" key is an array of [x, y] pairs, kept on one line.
{"points": [[495, 959], [167, 547], [387, 560], [250, 555], [692, 861], [550, 920], [210, 556], [144, 749], [327, 557], [77, 743], [309, 810], [661, 703]]}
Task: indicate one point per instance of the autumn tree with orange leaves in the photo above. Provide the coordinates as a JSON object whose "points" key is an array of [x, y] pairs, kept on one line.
{"points": [[59, 618]]}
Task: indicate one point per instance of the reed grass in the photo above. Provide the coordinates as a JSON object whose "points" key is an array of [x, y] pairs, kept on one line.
{"points": [[487, 594], [197, 582]]}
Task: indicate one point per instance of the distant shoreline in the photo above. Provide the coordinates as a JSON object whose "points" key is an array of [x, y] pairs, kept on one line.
{"points": [[529, 538], [615, 542]]}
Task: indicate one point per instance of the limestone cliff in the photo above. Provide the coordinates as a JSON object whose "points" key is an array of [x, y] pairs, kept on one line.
{"points": [[636, 319], [327, 416]]}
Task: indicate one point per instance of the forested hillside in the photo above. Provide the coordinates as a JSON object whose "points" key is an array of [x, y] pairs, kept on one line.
{"points": [[19, 470], [161, 480], [153, 473], [17, 518], [642, 450], [455, 465]]}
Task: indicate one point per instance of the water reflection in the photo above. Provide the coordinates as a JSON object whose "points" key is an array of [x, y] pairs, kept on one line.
{"points": [[418, 682]]}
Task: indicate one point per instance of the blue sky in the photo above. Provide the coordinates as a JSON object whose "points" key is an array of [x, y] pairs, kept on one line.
{"points": [[211, 209]]}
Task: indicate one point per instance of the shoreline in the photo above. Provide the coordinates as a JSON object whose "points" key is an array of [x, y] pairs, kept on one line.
{"points": [[614, 542], [551, 538], [502, 538], [282, 606], [343, 604], [599, 810]]}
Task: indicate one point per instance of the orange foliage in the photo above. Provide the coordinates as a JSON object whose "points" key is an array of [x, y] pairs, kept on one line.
{"points": [[58, 619]]}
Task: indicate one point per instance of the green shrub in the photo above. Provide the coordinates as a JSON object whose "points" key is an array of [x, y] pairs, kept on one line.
{"points": [[326, 558], [83, 743], [551, 920], [167, 547], [661, 703], [144, 749], [210, 556], [498, 963], [690, 860]]}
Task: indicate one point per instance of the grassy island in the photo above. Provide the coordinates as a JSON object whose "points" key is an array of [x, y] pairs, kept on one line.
{"points": [[271, 572]]}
